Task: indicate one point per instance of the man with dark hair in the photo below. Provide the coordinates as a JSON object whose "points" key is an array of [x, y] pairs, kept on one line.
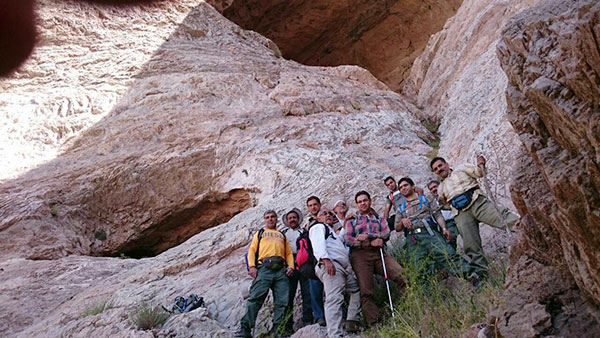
{"points": [[313, 204], [460, 189], [393, 199], [292, 219], [270, 262], [446, 212], [366, 235], [335, 272], [425, 246]]}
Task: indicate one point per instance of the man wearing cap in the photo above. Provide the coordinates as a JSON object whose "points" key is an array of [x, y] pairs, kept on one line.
{"points": [[270, 262], [292, 219]]}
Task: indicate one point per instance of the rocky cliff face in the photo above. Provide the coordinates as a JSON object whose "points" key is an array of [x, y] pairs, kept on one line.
{"points": [[165, 132], [551, 55], [381, 36], [196, 138]]}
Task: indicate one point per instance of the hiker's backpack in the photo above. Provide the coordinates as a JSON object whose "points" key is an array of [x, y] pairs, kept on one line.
{"points": [[305, 258], [260, 233], [188, 304], [423, 202]]}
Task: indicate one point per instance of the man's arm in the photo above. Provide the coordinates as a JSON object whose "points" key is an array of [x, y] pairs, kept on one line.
{"points": [[289, 256], [252, 254], [317, 239], [385, 231], [388, 206], [473, 171], [352, 241]]}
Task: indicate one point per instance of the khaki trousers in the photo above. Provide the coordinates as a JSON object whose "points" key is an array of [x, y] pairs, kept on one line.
{"points": [[467, 222], [335, 286]]}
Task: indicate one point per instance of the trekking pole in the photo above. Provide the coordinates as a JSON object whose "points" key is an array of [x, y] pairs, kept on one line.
{"points": [[486, 184], [387, 284]]}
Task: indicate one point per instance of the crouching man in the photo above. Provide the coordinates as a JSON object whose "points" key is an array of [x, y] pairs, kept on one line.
{"points": [[270, 262], [335, 271]]}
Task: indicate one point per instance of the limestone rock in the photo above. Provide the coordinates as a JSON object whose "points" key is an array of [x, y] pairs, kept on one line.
{"points": [[550, 55], [198, 115]]}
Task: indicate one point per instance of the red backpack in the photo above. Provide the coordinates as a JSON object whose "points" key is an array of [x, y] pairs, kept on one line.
{"points": [[305, 258]]}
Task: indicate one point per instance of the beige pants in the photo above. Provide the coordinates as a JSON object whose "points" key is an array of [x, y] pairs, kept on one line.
{"points": [[335, 286]]}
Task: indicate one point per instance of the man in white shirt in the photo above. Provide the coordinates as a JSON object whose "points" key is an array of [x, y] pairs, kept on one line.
{"points": [[335, 271]]}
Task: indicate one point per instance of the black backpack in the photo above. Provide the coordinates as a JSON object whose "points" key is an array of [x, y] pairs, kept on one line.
{"points": [[183, 304], [305, 258]]}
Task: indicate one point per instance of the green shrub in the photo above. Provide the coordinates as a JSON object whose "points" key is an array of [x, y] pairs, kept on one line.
{"points": [[97, 308], [434, 307], [147, 317]]}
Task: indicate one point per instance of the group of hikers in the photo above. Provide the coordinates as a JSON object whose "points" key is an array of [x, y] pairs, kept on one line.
{"points": [[334, 255]]}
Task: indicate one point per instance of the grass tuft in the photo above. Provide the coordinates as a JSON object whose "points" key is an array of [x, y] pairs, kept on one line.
{"points": [[147, 317], [434, 307], [98, 308]]}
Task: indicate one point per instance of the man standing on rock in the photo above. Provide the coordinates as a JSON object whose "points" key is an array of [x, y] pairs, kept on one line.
{"points": [[366, 235], [292, 219], [460, 189], [270, 262], [313, 204], [335, 272]]}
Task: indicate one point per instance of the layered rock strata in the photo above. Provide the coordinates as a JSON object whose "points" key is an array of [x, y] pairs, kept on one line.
{"points": [[551, 56]]}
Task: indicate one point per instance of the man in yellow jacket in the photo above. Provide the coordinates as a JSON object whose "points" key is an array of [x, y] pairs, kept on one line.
{"points": [[270, 262]]}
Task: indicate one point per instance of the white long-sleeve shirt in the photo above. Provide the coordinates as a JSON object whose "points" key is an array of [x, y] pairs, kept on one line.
{"points": [[331, 248]]}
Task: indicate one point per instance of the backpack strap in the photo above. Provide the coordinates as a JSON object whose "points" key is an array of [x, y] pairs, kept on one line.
{"points": [[260, 233]]}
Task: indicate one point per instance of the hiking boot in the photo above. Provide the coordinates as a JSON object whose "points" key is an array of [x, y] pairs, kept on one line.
{"points": [[321, 322], [351, 326], [243, 332]]}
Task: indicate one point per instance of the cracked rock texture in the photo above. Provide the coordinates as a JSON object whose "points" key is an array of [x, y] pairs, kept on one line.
{"points": [[458, 84], [551, 55]]}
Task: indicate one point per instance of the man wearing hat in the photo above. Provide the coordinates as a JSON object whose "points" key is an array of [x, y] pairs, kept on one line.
{"points": [[292, 219]]}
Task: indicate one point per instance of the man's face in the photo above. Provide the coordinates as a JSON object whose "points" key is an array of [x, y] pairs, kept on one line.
{"points": [[441, 168], [405, 188], [313, 207], [326, 216], [292, 220], [433, 188], [271, 220], [363, 202], [391, 184], [341, 208]]}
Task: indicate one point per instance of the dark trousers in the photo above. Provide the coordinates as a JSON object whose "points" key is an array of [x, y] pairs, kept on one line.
{"points": [[366, 263], [307, 316]]}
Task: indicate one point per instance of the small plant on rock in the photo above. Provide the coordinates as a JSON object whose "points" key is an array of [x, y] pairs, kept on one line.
{"points": [[98, 307], [147, 317]]}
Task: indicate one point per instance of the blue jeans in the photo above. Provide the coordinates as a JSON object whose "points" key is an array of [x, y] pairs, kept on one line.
{"points": [[316, 298]]}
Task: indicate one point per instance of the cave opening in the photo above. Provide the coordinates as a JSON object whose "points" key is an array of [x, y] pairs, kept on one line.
{"points": [[213, 210]]}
